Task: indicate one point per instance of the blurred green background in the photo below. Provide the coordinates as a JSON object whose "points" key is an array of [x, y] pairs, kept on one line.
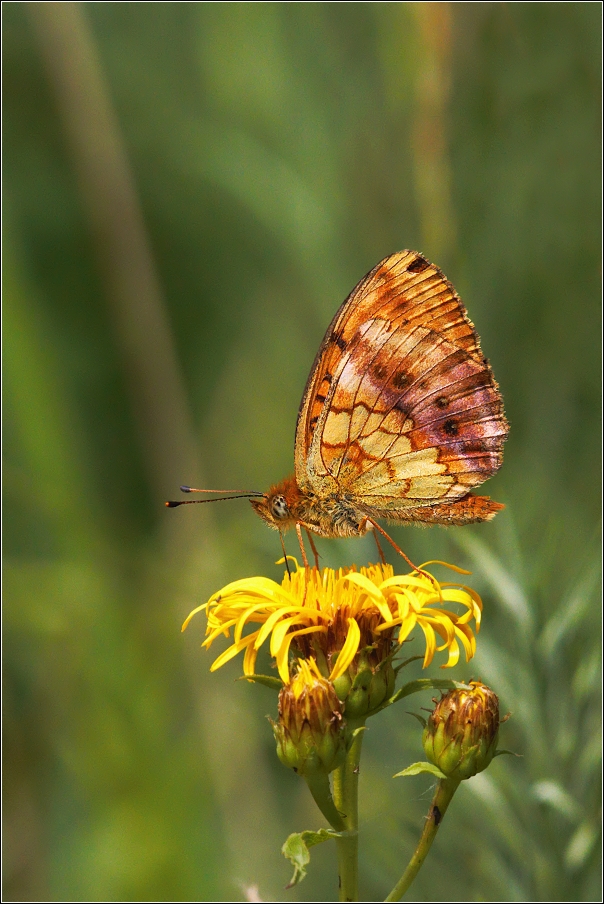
{"points": [[190, 191]]}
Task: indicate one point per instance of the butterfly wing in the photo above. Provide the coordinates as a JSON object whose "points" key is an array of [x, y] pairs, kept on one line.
{"points": [[401, 409]]}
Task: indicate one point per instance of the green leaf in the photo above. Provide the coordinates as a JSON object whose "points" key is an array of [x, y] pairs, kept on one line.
{"points": [[296, 850], [416, 768], [354, 734], [420, 719], [402, 665], [267, 680], [423, 684]]}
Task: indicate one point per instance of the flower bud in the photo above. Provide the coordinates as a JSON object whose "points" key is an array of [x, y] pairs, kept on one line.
{"points": [[310, 730], [364, 686], [461, 734]]}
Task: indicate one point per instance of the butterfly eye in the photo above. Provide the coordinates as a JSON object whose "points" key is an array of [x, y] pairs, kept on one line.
{"points": [[279, 508]]}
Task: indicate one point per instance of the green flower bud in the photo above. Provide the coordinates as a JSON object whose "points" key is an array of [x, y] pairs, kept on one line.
{"points": [[366, 688], [310, 730], [461, 734]]}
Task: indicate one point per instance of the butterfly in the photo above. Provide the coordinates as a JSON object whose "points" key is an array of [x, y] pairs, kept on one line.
{"points": [[401, 416]]}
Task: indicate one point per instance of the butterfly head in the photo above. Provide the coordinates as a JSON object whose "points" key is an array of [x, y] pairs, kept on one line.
{"points": [[278, 506]]}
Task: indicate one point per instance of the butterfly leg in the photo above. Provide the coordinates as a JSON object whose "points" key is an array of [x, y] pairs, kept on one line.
{"points": [[313, 547], [377, 527], [301, 542], [379, 549]]}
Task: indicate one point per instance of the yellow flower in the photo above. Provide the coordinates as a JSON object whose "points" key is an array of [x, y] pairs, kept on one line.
{"points": [[335, 616]]}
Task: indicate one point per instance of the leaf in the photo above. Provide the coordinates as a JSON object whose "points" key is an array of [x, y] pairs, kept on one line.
{"points": [[419, 718], [275, 684], [423, 684], [296, 850], [416, 768], [402, 665]]}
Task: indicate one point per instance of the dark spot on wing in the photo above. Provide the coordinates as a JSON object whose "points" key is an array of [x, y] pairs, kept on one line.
{"points": [[387, 294], [400, 406], [313, 422], [476, 446], [441, 402], [338, 340], [320, 398], [379, 372], [418, 265], [328, 378], [450, 427], [400, 380]]}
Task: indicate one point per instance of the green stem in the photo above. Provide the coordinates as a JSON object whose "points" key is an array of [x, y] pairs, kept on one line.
{"points": [[318, 784], [346, 796], [442, 798]]}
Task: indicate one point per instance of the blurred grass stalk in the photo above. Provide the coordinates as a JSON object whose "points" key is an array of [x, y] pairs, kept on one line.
{"points": [[120, 242], [431, 164]]}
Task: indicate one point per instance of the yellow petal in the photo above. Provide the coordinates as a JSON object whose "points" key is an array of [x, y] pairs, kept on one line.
{"points": [[191, 614], [249, 660], [280, 631], [407, 626], [371, 590], [232, 651], [446, 564], [467, 639], [430, 642], [453, 656], [348, 651], [278, 615], [223, 629]]}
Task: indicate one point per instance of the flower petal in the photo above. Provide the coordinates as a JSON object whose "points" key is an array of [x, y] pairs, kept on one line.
{"points": [[371, 590], [282, 654], [348, 651], [232, 651]]}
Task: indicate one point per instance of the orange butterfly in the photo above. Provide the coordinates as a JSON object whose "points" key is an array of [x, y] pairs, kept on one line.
{"points": [[401, 415]]}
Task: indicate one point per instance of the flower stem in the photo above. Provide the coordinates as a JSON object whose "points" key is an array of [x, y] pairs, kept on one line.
{"points": [[442, 798], [318, 784], [346, 796]]}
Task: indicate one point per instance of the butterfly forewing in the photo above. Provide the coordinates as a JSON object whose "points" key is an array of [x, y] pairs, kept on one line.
{"points": [[401, 409]]}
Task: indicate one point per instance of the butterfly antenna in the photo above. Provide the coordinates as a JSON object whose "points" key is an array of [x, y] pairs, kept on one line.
{"points": [[184, 489], [239, 494]]}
